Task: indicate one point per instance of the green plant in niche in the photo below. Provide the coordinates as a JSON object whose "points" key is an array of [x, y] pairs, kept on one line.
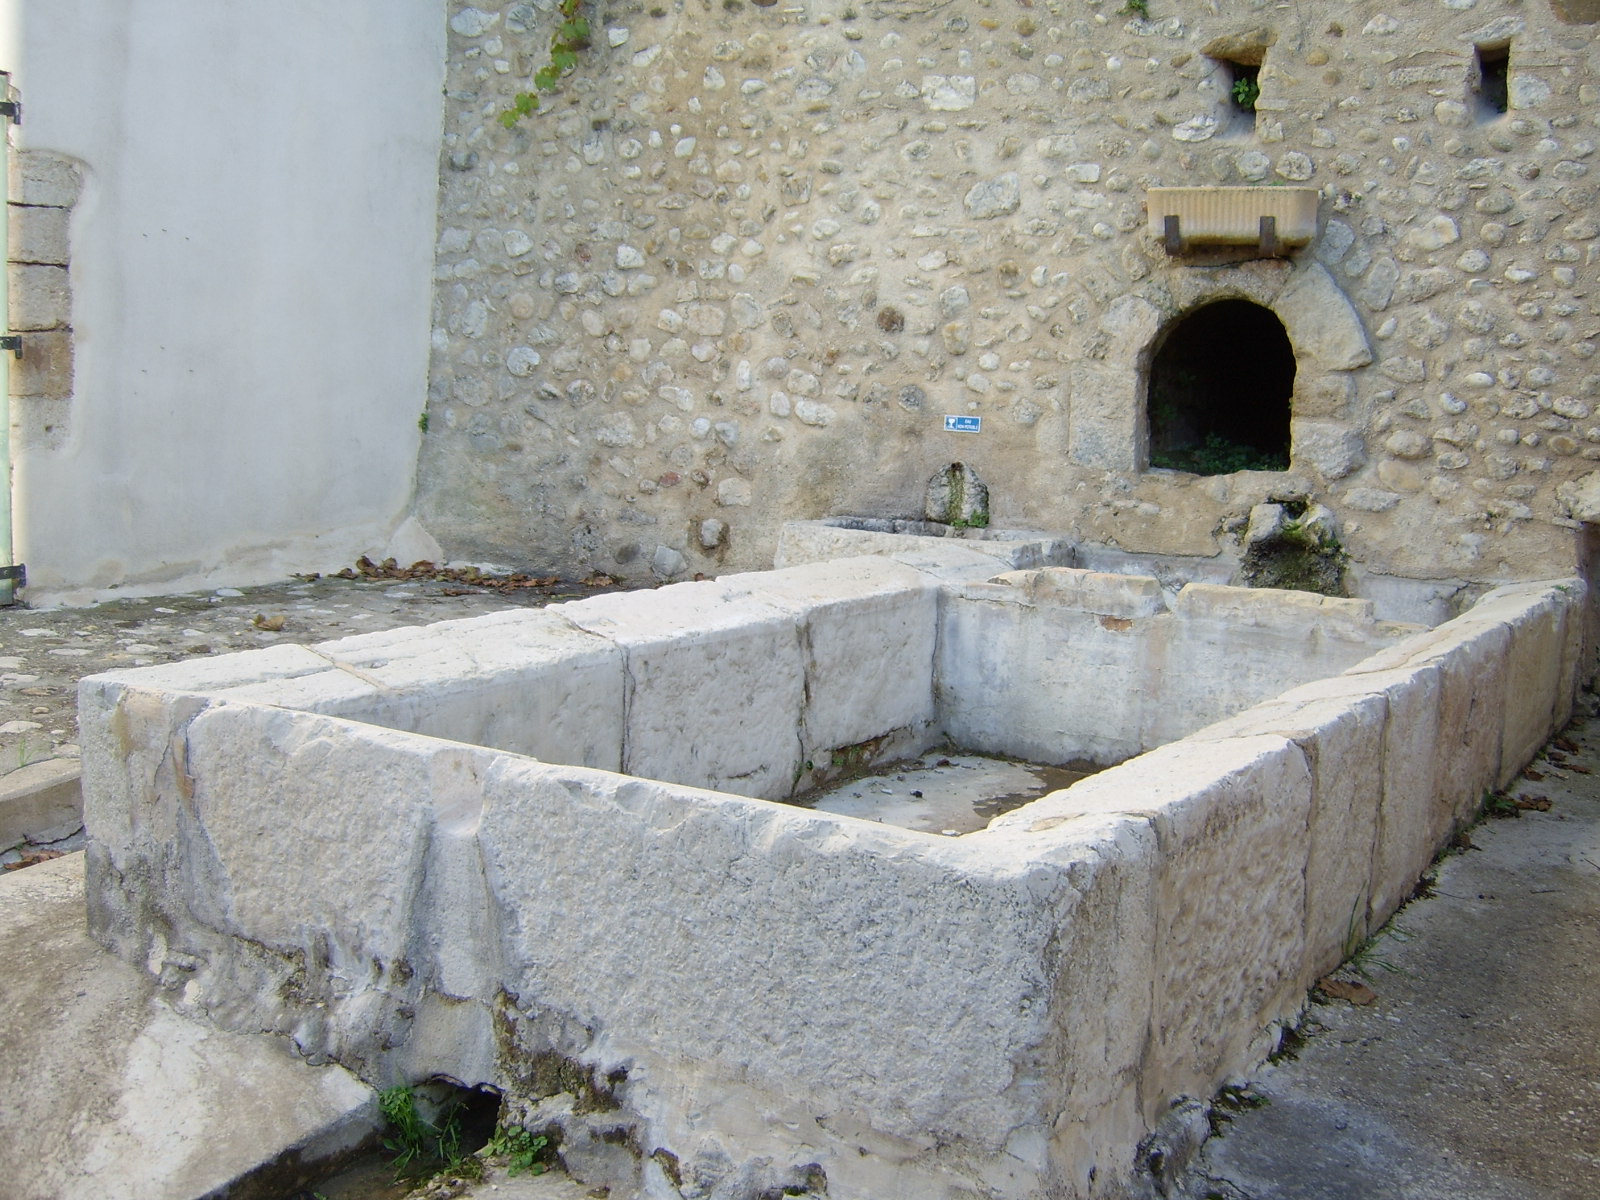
{"points": [[1137, 8], [523, 1149], [422, 422], [1217, 455], [570, 37], [1245, 92], [411, 1138]]}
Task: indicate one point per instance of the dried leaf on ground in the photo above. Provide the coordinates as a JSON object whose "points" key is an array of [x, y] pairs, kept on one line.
{"points": [[34, 859], [365, 568], [271, 624], [1352, 990]]}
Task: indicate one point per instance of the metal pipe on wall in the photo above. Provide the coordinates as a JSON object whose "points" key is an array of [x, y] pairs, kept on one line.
{"points": [[8, 590]]}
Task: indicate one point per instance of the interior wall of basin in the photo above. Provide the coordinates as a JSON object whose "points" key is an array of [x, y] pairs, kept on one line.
{"points": [[1401, 747], [845, 537], [1396, 598], [1063, 664], [529, 682], [763, 684], [737, 685]]}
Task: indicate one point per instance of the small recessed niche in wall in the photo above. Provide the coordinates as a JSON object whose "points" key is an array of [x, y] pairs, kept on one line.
{"points": [[1494, 80], [1235, 79], [1219, 390], [1243, 89]]}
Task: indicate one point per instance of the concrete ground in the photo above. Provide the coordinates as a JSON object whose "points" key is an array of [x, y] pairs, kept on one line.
{"points": [[1474, 1072], [105, 1091]]}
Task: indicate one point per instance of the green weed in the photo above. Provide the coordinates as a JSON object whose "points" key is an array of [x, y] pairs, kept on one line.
{"points": [[1218, 455], [414, 1140], [523, 1150], [1365, 955], [570, 37]]}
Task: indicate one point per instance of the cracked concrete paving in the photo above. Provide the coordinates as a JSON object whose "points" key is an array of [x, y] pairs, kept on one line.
{"points": [[1475, 1075]]}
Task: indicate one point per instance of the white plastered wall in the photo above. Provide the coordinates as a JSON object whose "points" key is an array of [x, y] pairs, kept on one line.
{"points": [[250, 269]]}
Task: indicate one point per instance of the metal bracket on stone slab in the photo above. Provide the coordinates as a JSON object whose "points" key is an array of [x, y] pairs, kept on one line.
{"points": [[11, 109], [12, 342], [1269, 238], [17, 574], [1172, 235]]}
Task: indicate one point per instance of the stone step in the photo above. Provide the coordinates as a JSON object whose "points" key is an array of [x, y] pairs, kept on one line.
{"points": [[40, 803], [110, 1092]]}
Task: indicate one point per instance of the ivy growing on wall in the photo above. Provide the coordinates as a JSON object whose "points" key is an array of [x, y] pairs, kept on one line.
{"points": [[570, 38]]}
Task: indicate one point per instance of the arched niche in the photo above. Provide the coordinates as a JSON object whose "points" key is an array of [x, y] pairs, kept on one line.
{"points": [[1218, 391], [1107, 425]]}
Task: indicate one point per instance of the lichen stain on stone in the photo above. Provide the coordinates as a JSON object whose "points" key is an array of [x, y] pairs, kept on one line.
{"points": [[536, 1074]]}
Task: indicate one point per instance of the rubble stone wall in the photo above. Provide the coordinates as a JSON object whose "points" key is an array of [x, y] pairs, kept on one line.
{"points": [[743, 263]]}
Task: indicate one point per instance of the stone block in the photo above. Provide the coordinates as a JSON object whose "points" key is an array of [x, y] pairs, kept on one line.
{"points": [[950, 561], [1577, 605], [271, 786], [1230, 647], [1104, 978], [801, 542], [1472, 661], [41, 297], [1105, 420], [1538, 675], [868, 628], [45, 368], [1297, 612], [1329, 396], [1411, 827], [715, 685], [134, 785], [1231, 820], [1322, 323], [1342, 739], [40, 802], [527, 681], [38, 235], [215, 673], [1329, 448], [40, 177], [814, 908], [1000, 691], [1099, 592]]}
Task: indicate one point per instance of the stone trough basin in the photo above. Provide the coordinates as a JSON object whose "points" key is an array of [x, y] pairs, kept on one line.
{"points": [[539, 852]]}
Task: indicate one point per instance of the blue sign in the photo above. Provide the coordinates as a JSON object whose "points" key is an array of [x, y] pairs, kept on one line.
{"points": [[963, 424]]}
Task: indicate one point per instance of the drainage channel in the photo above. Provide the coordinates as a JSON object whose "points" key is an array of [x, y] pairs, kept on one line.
{"points": [[437, 1124], [945, 792]]}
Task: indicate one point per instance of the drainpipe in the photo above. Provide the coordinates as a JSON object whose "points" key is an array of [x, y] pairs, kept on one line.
{"points": [[11, 576]]}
